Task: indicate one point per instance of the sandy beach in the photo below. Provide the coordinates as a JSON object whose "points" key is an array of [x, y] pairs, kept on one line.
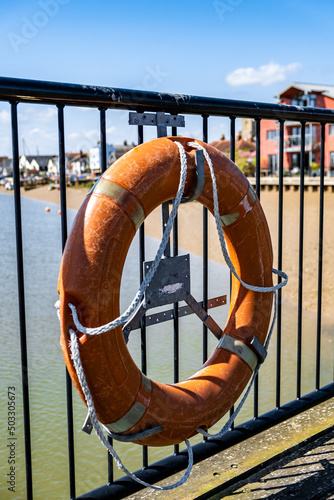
{"points": [[190, 237]]}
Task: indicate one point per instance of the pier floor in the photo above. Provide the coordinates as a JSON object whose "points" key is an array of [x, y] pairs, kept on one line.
{"points": [[295, 459]]}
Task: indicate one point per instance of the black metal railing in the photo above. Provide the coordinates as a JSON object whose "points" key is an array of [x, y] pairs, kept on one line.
{"points": [[16, 91]]}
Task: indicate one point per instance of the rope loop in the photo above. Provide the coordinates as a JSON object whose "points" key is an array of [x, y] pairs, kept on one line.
{"points": [[222, 240], [75, 354]]}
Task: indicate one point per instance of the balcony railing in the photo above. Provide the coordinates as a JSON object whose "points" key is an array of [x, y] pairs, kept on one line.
{"points": [[105, 100], [296, 140]]}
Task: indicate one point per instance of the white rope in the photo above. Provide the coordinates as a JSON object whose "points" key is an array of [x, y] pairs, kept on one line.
{"points": [[136, 302], [229, 263], [222, 237], [75, 354], [97, 427], [234, 415], [123, 318]]}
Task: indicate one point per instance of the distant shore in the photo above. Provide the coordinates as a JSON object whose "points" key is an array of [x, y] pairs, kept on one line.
{"points": [[74, 196], [190, 237]]}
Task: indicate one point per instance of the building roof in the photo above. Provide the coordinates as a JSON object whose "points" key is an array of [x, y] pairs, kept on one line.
{"points": [[223, 145], [121, 150], [307, 88], [41, 160], [6, 163], [240, 145]]}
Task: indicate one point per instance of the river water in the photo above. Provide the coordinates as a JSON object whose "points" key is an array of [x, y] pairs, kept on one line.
{"points": [[46, 368]]}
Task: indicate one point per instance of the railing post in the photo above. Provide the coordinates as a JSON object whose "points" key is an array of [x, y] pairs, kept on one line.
{"points": [[22, 311]]}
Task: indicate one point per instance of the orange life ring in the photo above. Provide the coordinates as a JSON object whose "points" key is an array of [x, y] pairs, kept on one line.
{"points": [[126, 401]]}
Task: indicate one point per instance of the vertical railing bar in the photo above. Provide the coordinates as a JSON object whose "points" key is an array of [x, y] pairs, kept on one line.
{"points": [[63, 208], [21, 300], [103, 142], [232, 138], [62, 175], [176, 318], [205, 253], [176, 307], [164, 219], [258, 192], [279, 262], [320, 254], [205, 247], [103, 165], [141, 277], [258, 157], [110, 464], [232, 156], [300, 266]]}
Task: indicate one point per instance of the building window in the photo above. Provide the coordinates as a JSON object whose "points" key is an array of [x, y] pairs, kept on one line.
{"points": [[295, 159], [331, 130], [312, 100], [303, 100], [272, 163], [272, 135], [332, 159]]}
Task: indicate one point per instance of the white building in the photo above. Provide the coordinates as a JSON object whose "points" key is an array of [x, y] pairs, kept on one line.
{"points": [[34, 164], [95, 157]]}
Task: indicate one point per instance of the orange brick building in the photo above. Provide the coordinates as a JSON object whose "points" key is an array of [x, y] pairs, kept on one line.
{"points": [[299, 94]]}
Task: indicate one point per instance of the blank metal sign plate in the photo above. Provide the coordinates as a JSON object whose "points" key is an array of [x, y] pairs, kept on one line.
{"points": [[156, 119], [170, 283]]}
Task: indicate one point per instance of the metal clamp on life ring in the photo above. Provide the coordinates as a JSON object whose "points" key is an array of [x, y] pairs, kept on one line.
{"points": [[128, 403]]}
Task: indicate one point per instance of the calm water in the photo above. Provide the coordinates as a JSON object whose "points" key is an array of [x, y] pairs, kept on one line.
{"points": [[42, 255]]}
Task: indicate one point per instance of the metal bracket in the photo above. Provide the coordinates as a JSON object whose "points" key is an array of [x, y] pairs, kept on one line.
{"points": [[87, 425], [204, 316], [161, 317], [159, 119], [259, 349], [200, 173], [133, 437], [170, 284]]}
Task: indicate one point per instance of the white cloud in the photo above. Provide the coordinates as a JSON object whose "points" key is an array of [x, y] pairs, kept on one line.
{"points": [[72, 135], [111, 130], [34, 131], [92, 134], [4, 116], [264, 75]]}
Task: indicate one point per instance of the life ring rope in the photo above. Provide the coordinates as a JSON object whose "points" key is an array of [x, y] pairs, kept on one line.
{"points": [[234, 415], [222, 237], [123, 318], [97, 426]]}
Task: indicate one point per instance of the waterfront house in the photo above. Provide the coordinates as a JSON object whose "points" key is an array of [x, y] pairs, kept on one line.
{"points": [[78, 163], [299, 94], [34, 164], [95, 157], [6, 166], [244, 152]]}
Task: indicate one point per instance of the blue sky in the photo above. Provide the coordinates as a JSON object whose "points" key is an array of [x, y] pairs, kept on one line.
{"points": [[238, 49]]}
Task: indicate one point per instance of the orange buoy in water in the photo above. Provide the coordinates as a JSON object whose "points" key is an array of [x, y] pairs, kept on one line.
{"points": [[126, 401], [59, 212], [47, 209]]}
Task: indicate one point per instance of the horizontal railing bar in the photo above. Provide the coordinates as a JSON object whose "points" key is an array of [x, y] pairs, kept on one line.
{"points": [[22, 90], [160, 470]]}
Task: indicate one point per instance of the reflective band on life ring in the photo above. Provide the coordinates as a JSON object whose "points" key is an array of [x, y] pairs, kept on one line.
{"points": [[127, 403]]}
